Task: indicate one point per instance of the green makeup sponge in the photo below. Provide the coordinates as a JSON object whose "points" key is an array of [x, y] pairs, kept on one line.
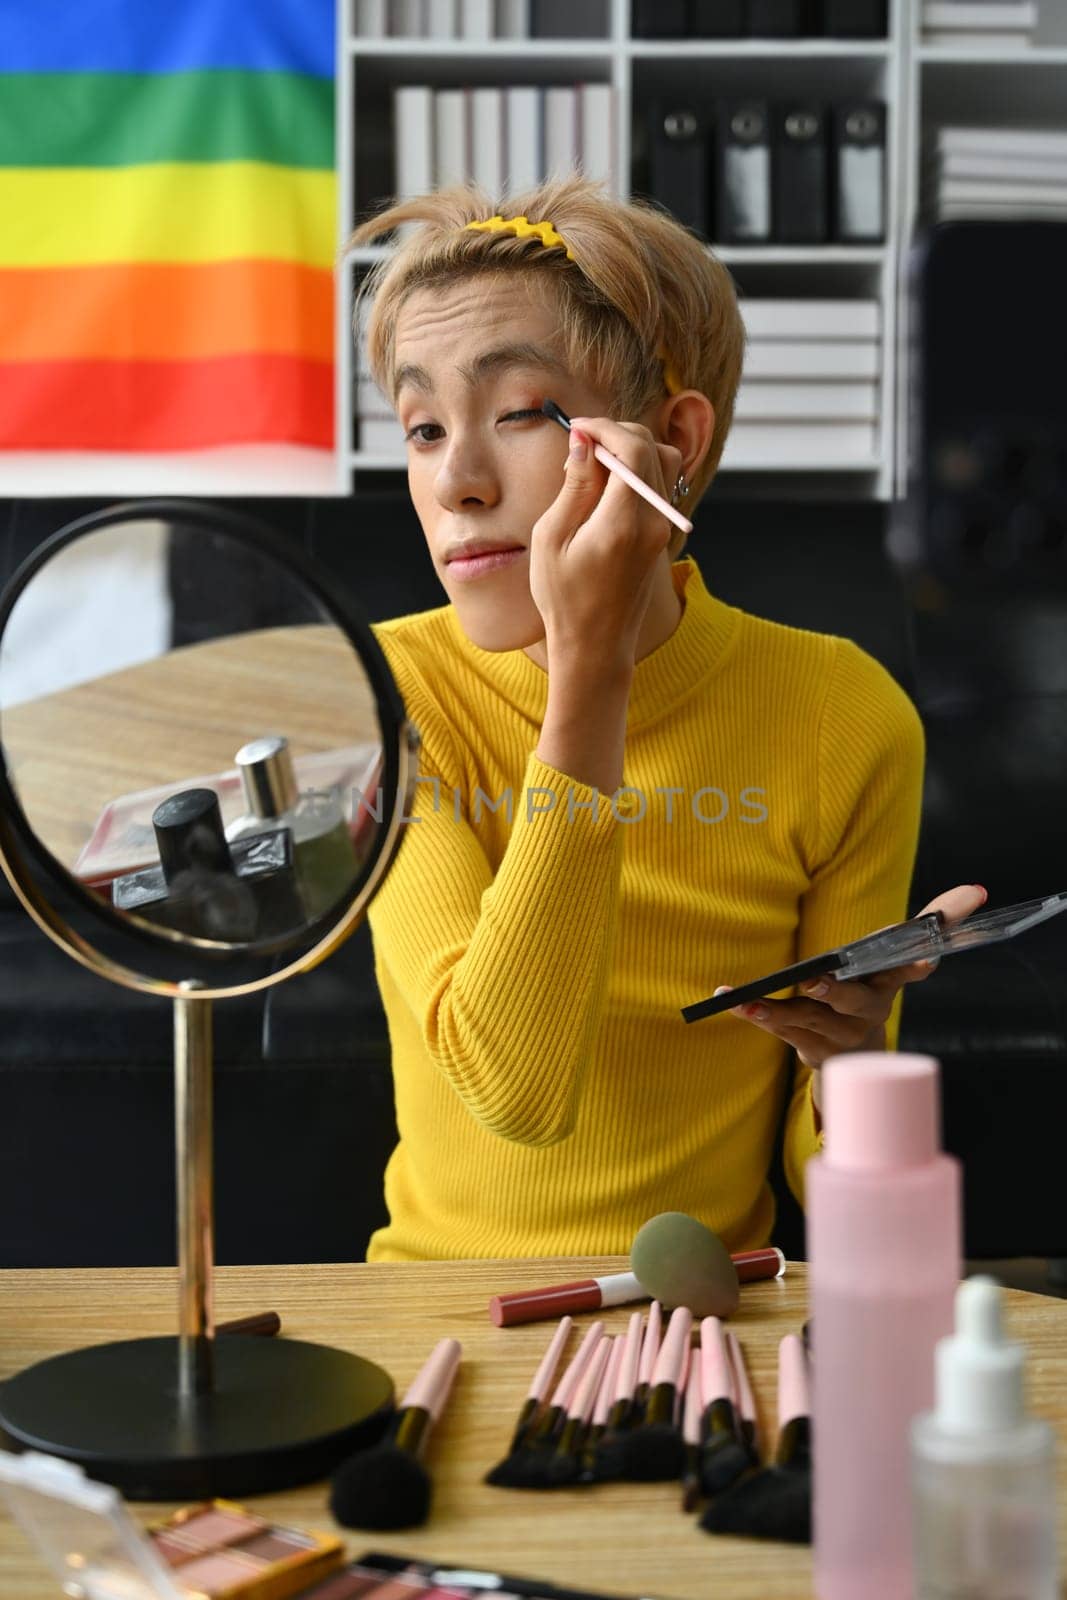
{"points": [[680, 1262]]}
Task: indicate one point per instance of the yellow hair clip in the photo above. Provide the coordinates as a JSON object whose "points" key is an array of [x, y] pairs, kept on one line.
{"points": [[522, 229], [670, 377]]}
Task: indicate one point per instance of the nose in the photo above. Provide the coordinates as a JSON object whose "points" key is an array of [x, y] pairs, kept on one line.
{"points": [[466, 476]]}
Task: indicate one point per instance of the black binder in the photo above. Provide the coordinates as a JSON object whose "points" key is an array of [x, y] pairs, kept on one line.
{"points": [[777, 19], [801, 175], [854, 19], [679, 166], [659, 19], [716, 19], [564, 19], [743, 173], [858, 172]]}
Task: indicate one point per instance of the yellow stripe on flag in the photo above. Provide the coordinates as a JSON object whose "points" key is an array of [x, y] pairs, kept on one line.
{"points": [[166, 211]]}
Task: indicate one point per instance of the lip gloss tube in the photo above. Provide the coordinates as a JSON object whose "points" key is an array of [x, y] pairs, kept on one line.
{"points": [[615, 1289]]}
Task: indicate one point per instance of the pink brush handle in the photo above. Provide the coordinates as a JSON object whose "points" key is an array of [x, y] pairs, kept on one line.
{"points": [[585, 1395], [581, 1359], [650, 1345], [794, 1388], [606, 1393], [668, 1368], [694, 1403], [626, 1381], [715, 1376], [615, 465], [746, 1400], [430, 1388], [550, 1360]]}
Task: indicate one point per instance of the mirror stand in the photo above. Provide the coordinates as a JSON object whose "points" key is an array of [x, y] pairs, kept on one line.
{"points": [[192, 1417]]}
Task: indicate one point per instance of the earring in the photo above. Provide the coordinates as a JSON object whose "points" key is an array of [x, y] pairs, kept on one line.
{"points": [[681, 489]]}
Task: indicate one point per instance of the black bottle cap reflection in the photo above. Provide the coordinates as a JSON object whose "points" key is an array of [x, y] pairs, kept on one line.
{"points": [[189, 834]]}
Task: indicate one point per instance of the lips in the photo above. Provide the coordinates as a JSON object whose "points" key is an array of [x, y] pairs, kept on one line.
{"points": [[472, 551]]}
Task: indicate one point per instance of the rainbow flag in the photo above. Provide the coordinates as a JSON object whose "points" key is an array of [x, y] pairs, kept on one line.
{"points": [[167, 223]]}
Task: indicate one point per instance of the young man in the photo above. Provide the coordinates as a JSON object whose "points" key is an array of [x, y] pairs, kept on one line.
{"points": [[631, 792]]}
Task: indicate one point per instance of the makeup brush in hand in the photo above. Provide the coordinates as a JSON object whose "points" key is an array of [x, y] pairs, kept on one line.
{"points": [[387, 1486], [775, 1502]]}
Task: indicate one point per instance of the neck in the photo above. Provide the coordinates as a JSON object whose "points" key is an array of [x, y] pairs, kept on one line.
{"points": [[665, 608]]}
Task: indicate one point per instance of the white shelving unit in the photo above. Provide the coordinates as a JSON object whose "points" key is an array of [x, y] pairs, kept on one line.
{"points": [[637, 69], [945, 86]]}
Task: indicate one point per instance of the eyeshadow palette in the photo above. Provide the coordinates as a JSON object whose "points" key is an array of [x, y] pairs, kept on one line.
{"points": [[221, 1551], [377, 1576]]}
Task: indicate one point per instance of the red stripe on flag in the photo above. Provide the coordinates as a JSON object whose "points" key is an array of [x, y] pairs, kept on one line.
{"points": [[166, 405]]}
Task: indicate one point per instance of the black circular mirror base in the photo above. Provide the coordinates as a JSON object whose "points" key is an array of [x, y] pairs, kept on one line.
{"points": [[282, 1412]]}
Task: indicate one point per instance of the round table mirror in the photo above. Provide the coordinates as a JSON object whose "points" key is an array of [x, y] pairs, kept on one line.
{"points": [[205, 764]]}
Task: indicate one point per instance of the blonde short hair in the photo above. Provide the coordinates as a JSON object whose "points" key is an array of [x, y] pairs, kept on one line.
{"points": [[640, 284]]}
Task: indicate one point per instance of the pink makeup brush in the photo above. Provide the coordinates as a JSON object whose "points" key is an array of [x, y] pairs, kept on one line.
{"points": [[564, 1464], [654, 1451], [745, 1400], [605, 1400], [387, 1486], [649, 1351], [775, 1502], [723, 1457], [522, 1469], [621, 1413], [539, 1385], [613, 464], [691, 1426]]}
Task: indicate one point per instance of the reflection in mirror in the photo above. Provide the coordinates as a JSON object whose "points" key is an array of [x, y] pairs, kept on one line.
{"points": [[188, 734]]}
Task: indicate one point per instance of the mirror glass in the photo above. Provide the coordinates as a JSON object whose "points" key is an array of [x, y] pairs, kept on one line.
{"points": [[190, 734]]}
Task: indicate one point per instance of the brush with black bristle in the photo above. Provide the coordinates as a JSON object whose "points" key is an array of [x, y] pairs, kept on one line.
{"points": [[540, 1385], [649, 1351], [744, 1399], [564, 1465], [723, 1457], [524, 1467], [387, 1486], [775, 1503], [692, 1416], [605, 1398], [601, 1457], [653, 1451]]}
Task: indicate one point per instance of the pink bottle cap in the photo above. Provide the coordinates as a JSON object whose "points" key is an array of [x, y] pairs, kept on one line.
{"points": [[881, 1110]]}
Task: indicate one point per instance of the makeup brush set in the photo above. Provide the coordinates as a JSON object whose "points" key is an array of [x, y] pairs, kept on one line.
{"points": [[649, 1405]]}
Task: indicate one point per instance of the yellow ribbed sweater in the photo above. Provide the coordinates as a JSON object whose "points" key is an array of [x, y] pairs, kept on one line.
{"points": [[549, 1096]]}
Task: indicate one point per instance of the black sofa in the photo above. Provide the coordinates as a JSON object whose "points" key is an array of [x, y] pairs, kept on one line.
{"points": [[304, 1115]]}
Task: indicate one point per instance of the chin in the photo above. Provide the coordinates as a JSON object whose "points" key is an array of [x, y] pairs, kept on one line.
{"points": [[493, 624]]}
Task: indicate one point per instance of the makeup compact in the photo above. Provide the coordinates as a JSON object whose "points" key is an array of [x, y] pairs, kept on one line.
{"points": [[213, 1551]]}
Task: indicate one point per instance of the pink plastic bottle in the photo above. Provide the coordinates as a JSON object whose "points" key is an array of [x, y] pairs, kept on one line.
{"points": [[884, 1248]]}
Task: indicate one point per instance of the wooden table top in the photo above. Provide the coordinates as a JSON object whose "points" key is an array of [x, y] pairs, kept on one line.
{"points": [[630, 1539]]}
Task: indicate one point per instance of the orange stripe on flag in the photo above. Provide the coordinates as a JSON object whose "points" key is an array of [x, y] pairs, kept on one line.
{"points": [[165, 405], [143, 311]]}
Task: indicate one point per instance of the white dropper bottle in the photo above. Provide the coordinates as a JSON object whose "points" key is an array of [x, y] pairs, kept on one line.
{"points": [[983, 1471]]}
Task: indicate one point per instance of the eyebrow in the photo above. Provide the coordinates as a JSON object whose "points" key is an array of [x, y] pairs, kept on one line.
{"points": [[490, 363]]}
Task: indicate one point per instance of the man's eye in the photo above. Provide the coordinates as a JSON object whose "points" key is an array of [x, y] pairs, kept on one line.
{"points": [[416, 431], [532, 411]]}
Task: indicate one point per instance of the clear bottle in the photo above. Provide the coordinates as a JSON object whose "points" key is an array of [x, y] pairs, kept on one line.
{"points": [[983, 1471], [323, 853], [885, 1247]]}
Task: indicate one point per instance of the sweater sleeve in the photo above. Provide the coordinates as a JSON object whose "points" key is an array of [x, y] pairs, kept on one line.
{"points": [[505, 975], [870, 756]]}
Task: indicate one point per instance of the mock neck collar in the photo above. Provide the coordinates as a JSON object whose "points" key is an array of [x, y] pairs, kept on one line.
{"points": [[669, 675]]}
